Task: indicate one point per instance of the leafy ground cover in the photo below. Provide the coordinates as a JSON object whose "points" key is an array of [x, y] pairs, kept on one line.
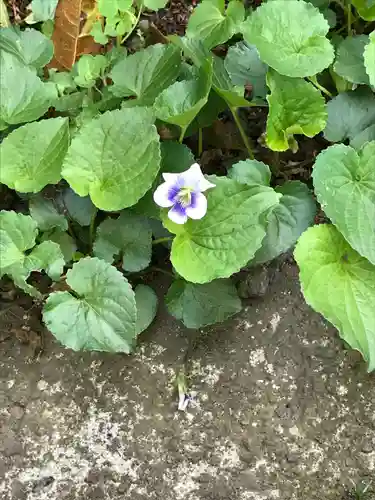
{"points": [[127, 151]]}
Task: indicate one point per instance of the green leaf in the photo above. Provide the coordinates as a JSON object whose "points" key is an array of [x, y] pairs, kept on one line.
{"points": [[367, 135], [31, 156], [340, 284], [344, 182], [88, 69], [349, 63], [369, 58], [45, 213], [114, 158], [251, 172], [221, 82], [155, 4], [245, 67], [287, 221], [66, 243], [41, 10], [145, 74], [180, 103], [24, 97], [227, 237], [147, 306], [202, 305], [290, 36], [102, 314], [209, 24], [128, 237], [365, 8], [98, 34], [110, 8], [29, 46], [295, 107], [47, 256], [78, 208], [349, 115]]}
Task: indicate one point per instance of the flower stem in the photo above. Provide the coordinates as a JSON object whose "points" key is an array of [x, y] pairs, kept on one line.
{"points": [[242, 132], [92, 227], [316, 84], [200, 141], [134, 25], [162, 240]]}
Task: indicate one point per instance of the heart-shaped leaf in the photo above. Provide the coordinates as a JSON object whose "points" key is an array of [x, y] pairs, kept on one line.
{"points": [[344, 182], [340, 284], [102, 313], [30, 46]]}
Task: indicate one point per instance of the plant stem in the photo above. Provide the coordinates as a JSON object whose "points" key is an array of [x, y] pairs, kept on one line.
{"points": [[161, 270], [316, 84], [92, 227], [200, 141], [162, 240], [182, 135], [242, 132], [134, 26]]}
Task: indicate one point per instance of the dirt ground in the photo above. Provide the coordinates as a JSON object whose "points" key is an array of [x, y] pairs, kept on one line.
{"points": [[281, 411]]}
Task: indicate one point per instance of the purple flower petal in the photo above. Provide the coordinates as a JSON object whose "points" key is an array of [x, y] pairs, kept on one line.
{"points": [[198, 207], [177, 214]]}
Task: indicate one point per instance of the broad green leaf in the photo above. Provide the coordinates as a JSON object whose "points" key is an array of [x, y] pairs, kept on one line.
{"points": [[100, 316], [295, 107], [66, 243], [221, 82], [245, 68], [45, 213], [30, 46], [201, 305], [290, 36], [114, 158], [180, 103], [340, 284], [110, 8], [24, 97], [41, 10], [98, 34], [287, 221], [369, 58], [63, 80], [155, 4], [128, 237], [31, 156], [349, 63], [88, 69], [147, 306], [17, 236], [211, 25], [344, 182], [349, 115], [367, 135], [145, 74], [227, 237], [76, 207], [251, 172], [365, 8]]}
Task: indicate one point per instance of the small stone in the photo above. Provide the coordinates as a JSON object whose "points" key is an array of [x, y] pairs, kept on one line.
{"points": [[255, 283], [368, 446], [17, 411], [42, 385]]}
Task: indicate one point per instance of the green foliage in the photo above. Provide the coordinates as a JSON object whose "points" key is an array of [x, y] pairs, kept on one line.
{"points": [[201, 305], [46, 215], [365, 8], [349, 62], [147, 305], [295, 107], [340, 284], [30, 46], [88, 69], [344, 182], [296, 46], [369, 58], [41, 10]]}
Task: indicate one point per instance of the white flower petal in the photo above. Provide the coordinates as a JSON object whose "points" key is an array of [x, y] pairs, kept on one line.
{"points": [[170, 178], [194, 178], [199, 209], [161, 195], [204, 184], [176, 216]]}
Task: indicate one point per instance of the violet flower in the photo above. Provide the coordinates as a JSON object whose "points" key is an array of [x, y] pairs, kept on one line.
{"points": [[184, 194]]}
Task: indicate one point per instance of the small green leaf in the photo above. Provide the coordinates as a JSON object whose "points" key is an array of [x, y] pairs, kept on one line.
{"points": [[155, 4], [209, 24], [78, 208], [102, 314], [251, 172], [349, 115], [290, 36], [365, 8], [340, 284], [349, 63], [145, 74], [47, 256], [128, 237], [221, 82], [45, 213], [30, 46], [88, 69], [98, 34], [32, 155], [41, 10], [295, 107], [66, 243], [114, 158], [227, 237], [245, 67], [147, 306], [180, 103], [344, 182], [202, 305], [24, 97], [369, 58], [287, 221]]}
